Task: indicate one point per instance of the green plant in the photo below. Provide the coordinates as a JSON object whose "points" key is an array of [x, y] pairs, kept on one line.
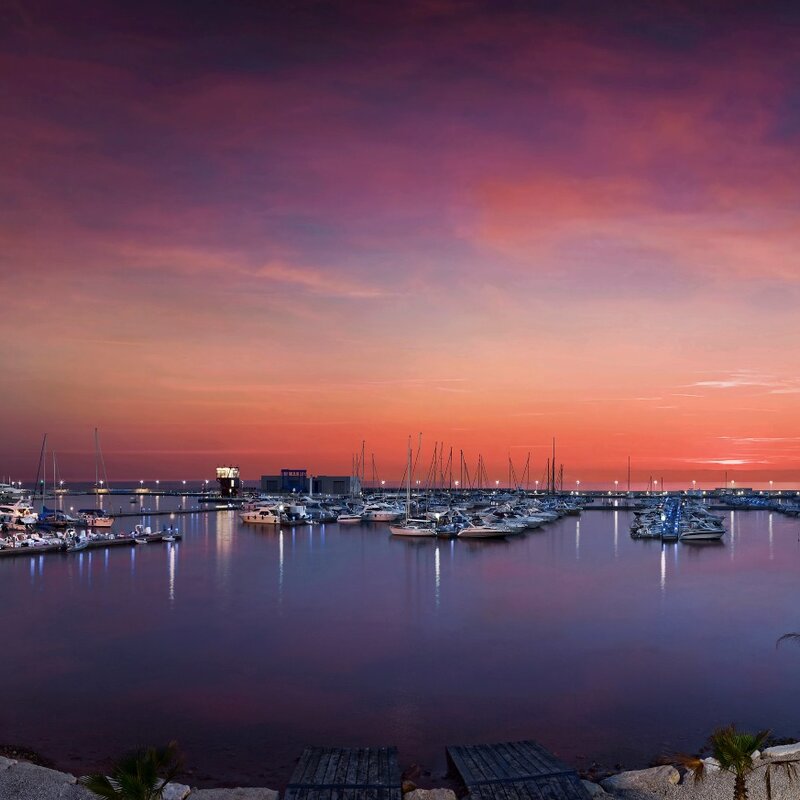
{"points": [[138, 776], [733, 750]]}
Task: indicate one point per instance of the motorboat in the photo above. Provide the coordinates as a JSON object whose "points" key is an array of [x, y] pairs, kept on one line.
{"points": [[262, 515], [413, 527], [95, 518]]}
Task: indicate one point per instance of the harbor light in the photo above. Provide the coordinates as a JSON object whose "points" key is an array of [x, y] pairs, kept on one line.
{"points": [[456, 484], [577, 486], [616, 485], [497, 483]]}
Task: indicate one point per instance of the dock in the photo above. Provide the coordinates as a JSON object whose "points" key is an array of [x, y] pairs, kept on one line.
{"points": [[514, 771], [121, 541], [328, 773]]}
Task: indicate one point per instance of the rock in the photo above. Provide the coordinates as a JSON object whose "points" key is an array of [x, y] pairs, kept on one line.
{"points": [[783, 751], [430, 794], [642, 779], [175, 791], [408, 786], [23, 781], [595, 790], [5, 763], [755, 755], [711, 765], [234, 794]]}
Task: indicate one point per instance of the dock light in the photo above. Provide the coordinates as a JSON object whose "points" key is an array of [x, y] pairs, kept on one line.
{"points": [[578, 485], [456, 484], [101, 483], [616, 484], [383, 483], [770, 485], [141, 483], [497, 483]]}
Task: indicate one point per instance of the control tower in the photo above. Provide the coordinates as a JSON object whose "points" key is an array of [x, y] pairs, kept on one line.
{"points": [[228, 480]]}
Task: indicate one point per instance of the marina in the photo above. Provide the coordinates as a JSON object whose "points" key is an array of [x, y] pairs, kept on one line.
{"points": [[263, 634]]}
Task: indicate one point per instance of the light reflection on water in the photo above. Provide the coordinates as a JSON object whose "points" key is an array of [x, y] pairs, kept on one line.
{"points": [[577, 636]]}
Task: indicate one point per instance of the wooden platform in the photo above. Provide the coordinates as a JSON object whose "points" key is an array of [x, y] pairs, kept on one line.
{"points": [[515, 771], [335, 773]]}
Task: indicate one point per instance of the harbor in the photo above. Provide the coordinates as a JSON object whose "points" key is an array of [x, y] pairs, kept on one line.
{"points": [[246, 617]]}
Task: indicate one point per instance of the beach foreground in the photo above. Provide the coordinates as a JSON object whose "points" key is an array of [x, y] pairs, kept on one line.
{"points": [[22, 780]]}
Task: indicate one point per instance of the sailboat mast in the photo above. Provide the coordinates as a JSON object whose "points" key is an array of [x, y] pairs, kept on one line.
{"points": [[408, 482]]}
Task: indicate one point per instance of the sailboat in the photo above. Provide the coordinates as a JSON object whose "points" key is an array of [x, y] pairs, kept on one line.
{"points": [[412, 527]]}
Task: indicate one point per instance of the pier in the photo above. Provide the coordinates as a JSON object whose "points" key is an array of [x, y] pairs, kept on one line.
{"points": [[519, 770], [363, 773]]}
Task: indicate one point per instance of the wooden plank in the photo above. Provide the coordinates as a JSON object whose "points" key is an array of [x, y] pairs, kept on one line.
{"points": [[515, 771], [304, 773]]}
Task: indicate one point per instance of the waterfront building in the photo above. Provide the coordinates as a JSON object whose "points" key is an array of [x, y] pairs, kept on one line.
{"points": [[228, 480], [300, 482]]}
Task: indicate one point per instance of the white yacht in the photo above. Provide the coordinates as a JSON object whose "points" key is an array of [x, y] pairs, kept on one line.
{"points": [[382, 512], [17, 516], [262, 515]]}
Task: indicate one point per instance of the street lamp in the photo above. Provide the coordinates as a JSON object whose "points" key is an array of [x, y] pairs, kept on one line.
{"points": [[694, 485], [456, 484], [578, 485], [770, 485], [537, 487], [616, 485], [497, 483]]}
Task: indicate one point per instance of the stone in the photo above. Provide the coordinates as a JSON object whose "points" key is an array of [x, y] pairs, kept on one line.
{"points": [[755, 755], [595, 790], [5, 763], [430, 794], [23, 781], [711, 765], [234, 794], [783, 751], [642, 779], [175, 791]]}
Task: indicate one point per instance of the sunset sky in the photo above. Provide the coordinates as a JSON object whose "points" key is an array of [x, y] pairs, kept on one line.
{"points": [[258, 233]]}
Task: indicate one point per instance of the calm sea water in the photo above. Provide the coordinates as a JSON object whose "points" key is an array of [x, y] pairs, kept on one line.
{"points": [[246, 645]]}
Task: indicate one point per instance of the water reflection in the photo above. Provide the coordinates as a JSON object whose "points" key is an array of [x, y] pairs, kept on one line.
{"points": [[172, 548], [771, 548], [280, 567], [437, 575], [391, 643]]}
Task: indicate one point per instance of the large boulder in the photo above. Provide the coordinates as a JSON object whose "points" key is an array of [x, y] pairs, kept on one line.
{"points": [[596, 791], [23, 781], [789, 752], [234, 794], [175, 791], [430, 794], [642, 780]]}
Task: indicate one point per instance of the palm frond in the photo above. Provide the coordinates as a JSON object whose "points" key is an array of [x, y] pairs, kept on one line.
{"points": [[138, 776]]}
